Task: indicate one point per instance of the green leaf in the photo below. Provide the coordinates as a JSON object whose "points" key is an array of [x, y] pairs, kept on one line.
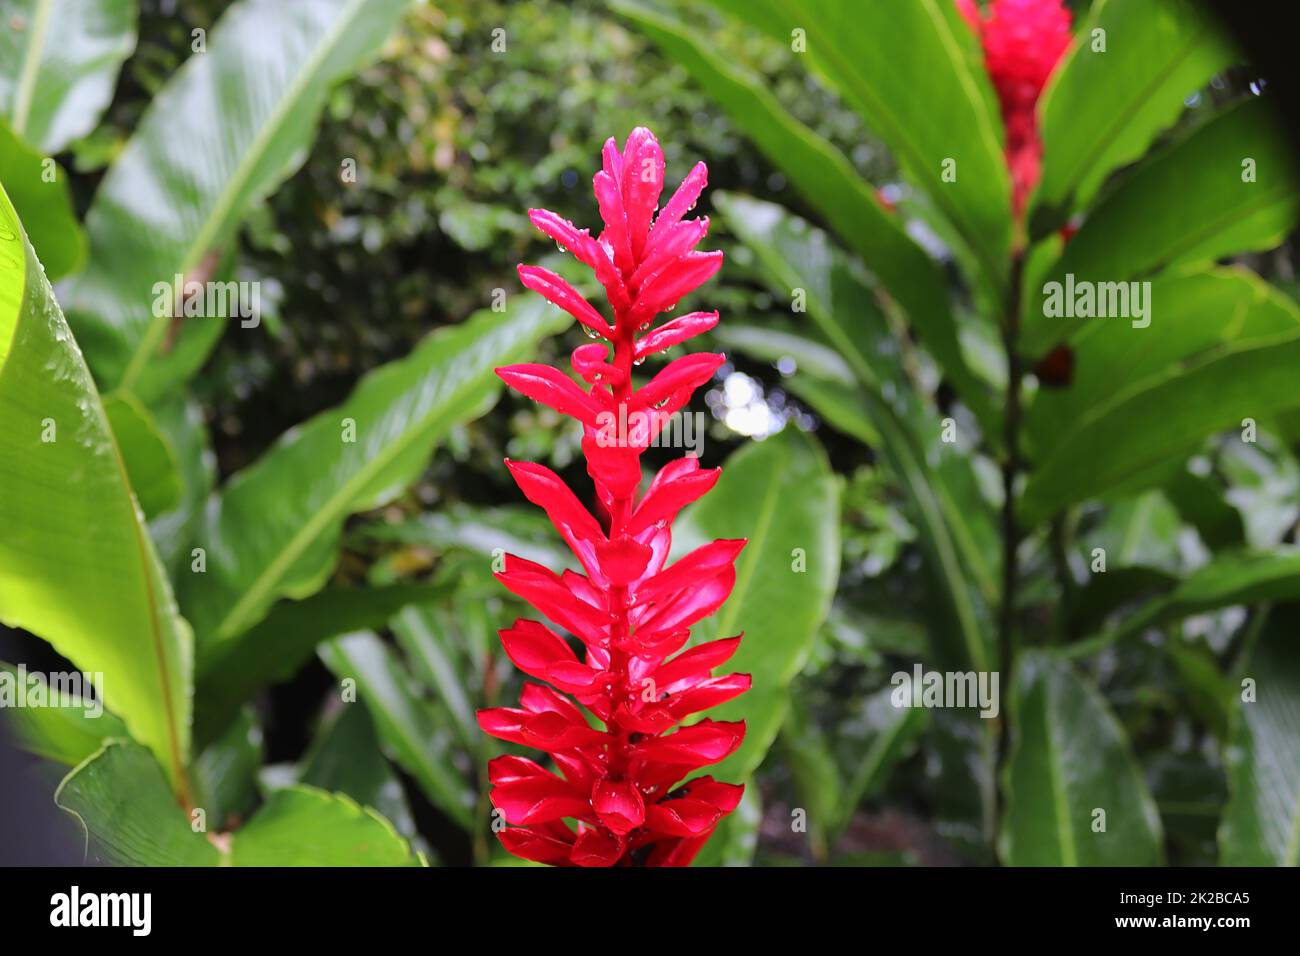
{"points": [[278, 647], [180, 422], [956, 524], [481, 530], [1261, 823], [430, 647], [225, 773], [1226, 580], [817, 779], [1176, 398], [38, 188], [781, 495], [224, 131], [871, 747], [1103, 594], [835, 770], [1139, 531], [1102, 110], [829, 183], [273, 531], [59, 61], [1201, 502], [1194, 317], [931, 107], [303, 826], [128, 814], [1069, 759], [66, 729], [1207, 690], [959, 766], [407, 725], [150, 463], [1186, 205], [345, 758], [121, 799], [79, 570]]}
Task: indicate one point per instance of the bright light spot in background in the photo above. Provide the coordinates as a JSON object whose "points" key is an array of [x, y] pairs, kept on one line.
{"points": [[741, 403]]}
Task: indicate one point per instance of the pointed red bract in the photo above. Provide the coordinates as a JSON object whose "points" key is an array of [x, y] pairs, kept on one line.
{"points": [[618, 797]]}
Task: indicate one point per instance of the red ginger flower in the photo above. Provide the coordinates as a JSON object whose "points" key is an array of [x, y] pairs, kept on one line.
{"points": [[1023, 41], [621, 784]]}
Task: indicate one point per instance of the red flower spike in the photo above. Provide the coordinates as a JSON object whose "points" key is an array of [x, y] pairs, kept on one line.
{"points": [[1023, 42], [618, 798]]}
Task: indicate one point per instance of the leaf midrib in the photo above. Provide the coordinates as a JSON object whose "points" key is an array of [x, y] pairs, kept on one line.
{"points": [[243, 171], [25, 90]]}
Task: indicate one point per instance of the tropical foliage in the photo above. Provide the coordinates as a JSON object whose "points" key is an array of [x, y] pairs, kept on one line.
{"points": [[274, 530]]}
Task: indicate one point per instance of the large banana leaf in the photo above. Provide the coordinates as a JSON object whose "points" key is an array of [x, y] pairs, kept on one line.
{"points": [[59, 61], [77, 567], [782, 496], [931, 107], [121, 801], [273, 530], [1075, 795], [830, 184], [225, 130], [1104, 108]]}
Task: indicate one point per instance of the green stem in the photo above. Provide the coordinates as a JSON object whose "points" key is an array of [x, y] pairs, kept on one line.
{"points": [[1011, 465]]}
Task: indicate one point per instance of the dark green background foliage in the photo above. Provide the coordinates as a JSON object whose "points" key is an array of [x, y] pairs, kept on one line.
{"points": [[1119, 690]]}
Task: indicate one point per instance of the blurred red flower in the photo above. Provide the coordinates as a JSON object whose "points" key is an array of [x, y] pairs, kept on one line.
{"points": [[1023, 41]]}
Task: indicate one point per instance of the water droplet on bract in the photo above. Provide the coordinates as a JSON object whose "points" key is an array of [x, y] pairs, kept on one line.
{"points": [[639, 361], [590, 332], [671, 308], [643, 326], [560, 246]]}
